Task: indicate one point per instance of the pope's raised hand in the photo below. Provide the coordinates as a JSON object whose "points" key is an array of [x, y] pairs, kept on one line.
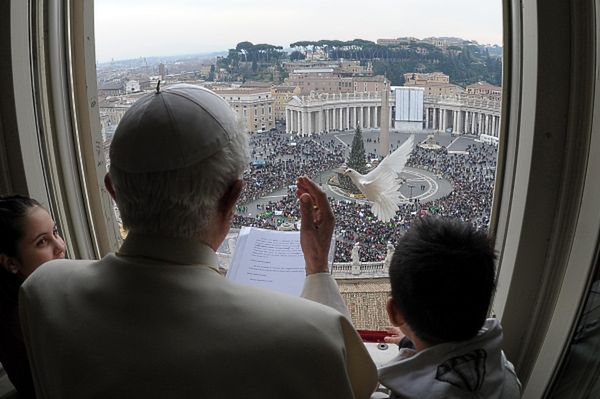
{"points": [[316, 227]]}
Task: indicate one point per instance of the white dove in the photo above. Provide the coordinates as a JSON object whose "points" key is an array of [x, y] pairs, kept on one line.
{"points": [[380, 186]]}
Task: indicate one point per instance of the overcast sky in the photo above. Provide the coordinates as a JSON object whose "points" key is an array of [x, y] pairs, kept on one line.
{"points": [[139, 28]]}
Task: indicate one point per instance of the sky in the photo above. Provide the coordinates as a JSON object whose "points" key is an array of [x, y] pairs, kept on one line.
{"points": [[143, 28]]}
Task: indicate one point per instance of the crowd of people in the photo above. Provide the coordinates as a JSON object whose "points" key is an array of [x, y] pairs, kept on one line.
{"points": [[471, 174], [279, 160]]}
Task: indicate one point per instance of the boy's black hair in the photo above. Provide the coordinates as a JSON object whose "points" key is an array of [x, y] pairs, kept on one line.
{"points": [[442, 276]]}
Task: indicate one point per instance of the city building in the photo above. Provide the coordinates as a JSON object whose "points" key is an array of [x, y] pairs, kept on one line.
{"points": [[253, 105], [400, 41], [114, 88], [325, 112], [330, 80], [445, 42], [319, 80], [464, 114], [281, 95], [112, 108], [205, 70], [354, 68], [289, 67], [434, 83], [424, 79], [251, 84], [409, 108], [484, 88], [368, 83], [132, 86]]}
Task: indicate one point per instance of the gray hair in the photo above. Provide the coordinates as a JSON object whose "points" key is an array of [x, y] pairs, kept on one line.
{"points": [[179, 203]]}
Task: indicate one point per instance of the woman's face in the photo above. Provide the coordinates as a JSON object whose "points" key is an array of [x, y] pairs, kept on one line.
{"points": [[40, 242]]}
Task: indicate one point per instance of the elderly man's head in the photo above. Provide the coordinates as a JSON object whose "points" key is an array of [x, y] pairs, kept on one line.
{"points": [[176, 160]]}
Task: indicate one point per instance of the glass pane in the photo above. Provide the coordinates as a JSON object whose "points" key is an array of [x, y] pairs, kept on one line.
{"points": [[305, 78], [579, 377]]}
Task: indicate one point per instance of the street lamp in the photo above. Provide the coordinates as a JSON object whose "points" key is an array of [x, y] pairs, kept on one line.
{"points": [[411, 188]]}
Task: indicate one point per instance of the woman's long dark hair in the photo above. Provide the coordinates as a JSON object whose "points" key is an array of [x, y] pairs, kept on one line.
{"points": [[13, 210]]}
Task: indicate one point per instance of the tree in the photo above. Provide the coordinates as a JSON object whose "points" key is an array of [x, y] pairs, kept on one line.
{"points": [[356, 160], [296, 55], [244, 48]]}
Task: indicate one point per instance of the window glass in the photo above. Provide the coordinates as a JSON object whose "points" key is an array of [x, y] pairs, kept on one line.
{"points": [[440, 63], [579, 376]]}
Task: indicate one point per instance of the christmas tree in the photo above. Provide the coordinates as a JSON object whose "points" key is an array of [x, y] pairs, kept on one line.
{"points": [[356, 160]]}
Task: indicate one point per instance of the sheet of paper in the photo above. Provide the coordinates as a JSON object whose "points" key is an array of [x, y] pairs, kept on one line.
{"points": [[269, 259]]}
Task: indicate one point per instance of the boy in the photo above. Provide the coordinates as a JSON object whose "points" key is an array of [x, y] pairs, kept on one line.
{"points": [[442, 278]]}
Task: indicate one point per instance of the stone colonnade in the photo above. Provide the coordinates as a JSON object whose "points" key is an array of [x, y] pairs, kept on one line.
{"points": [[321, 113], [463, 114]]}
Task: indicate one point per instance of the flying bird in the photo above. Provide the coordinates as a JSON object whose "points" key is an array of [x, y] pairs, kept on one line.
{"points": [[381, 185]]}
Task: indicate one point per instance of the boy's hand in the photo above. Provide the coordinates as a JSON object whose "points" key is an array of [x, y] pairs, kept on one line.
{"points": [[395, 336], [316, 228]]}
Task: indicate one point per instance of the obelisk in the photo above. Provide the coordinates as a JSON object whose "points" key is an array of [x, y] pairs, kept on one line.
{"points": [[384, 131]]}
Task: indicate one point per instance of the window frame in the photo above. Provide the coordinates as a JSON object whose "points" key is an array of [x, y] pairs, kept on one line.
{"points": [[52, 52], [546, 232]]}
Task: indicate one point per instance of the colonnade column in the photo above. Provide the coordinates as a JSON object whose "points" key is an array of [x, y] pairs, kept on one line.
{"points": [[467, 121], [335, 118], [321, 121], [294, 123], [348, 117], [368, 124], [470, 122], [497, 126], [454, 121], [442, 119]]}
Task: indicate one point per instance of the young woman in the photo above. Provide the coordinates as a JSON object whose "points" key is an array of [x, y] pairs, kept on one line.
{"points": [[28, 238]]}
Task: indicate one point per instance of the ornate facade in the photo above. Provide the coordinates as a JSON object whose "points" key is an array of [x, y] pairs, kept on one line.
{"points": [[320, 113], [464, 114], [459, 113]]}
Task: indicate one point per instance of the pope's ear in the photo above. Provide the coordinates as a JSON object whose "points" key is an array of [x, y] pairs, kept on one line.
{"points": [[231, 196], [394, 313]]}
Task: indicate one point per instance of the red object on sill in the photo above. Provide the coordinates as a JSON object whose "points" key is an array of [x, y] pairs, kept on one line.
{"points": [[372, 335]]}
